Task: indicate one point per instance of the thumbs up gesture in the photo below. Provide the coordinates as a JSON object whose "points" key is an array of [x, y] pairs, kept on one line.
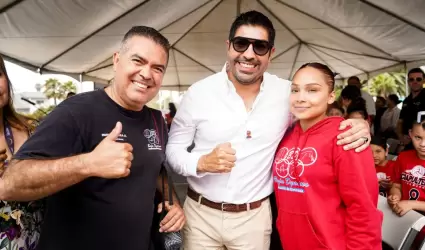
{"points": [[110, 159], [221, 160]]}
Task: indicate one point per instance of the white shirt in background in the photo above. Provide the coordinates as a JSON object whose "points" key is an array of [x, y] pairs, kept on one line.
{"points": [[370, 103], [390, 118], [211, 113]]}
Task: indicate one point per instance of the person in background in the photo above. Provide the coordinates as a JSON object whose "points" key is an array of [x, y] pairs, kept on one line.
{"points": [[309, 163], [70, 94], [408, 190], [414, 103], [390, 118], [370, 103], [357, 110], [335, 110], [170, 116], [354, 104], [350, 94], [20, 222], [385, 170], [380, 106]]}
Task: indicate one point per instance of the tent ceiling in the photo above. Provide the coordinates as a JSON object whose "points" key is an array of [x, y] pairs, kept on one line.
{"points": [[353, 37]]}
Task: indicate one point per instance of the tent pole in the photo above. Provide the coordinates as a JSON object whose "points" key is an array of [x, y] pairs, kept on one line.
{"points": [[10, 6], [295, 61], [320, 58], [406, 81]]}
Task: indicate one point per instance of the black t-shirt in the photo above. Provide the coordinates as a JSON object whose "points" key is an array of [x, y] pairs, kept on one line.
{"points": [[99, 213], [411, 107]]}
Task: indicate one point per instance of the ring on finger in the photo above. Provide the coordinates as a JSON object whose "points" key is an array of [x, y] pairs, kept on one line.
{"points": [[365, 139]]}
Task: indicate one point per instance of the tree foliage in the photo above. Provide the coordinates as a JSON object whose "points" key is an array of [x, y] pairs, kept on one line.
{"points": [[54, 89], [387, 83]]}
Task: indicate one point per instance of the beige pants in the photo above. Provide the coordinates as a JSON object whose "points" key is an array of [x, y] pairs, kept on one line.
{"points": [[208, 228]]}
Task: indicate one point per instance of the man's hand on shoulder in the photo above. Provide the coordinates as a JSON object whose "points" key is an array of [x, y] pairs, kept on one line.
{"points": [[357, 136], [221, 160], [110, 159]]}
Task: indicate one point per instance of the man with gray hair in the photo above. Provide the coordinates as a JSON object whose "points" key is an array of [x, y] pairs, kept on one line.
{"points": [[97, 158]]}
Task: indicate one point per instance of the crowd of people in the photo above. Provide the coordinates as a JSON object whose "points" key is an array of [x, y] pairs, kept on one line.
{"points": [[270, 165]]}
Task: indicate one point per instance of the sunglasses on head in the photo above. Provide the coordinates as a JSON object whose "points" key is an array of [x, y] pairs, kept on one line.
{"points": [[417, 79], [260, 47]]}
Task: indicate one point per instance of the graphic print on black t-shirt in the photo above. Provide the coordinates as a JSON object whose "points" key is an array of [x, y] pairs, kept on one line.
{"points": [[99, 213]]}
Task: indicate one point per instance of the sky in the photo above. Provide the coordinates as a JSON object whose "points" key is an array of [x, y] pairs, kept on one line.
{"points": [[24, 80]]}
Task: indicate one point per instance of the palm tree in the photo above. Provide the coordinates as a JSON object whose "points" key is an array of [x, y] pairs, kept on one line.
{"points": [[400, 79], [386, 84], [57, 90]]}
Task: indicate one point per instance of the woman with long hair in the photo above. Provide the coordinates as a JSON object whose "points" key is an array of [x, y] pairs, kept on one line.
{"points": [[326, 196], [19, 221]]}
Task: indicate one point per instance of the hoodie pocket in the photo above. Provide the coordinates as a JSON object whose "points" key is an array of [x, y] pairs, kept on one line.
{"points": [[297, 233]]}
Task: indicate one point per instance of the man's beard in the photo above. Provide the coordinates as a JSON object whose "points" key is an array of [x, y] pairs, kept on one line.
{"points": [[243, 80]]}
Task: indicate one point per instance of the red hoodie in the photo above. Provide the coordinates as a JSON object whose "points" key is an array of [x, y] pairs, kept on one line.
{"points": [[326, 197]]}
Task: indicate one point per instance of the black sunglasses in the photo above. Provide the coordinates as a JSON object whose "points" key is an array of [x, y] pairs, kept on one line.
{"points": [[417, 79], [260, 47]]}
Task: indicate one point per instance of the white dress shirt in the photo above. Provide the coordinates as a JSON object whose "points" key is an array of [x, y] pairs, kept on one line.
{"points": [[211, 113]]}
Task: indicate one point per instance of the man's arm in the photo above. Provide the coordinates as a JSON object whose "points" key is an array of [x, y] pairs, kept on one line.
{"points": [[40, 167], [32, 179], [221, 159], [26, 180], [181, 136]]}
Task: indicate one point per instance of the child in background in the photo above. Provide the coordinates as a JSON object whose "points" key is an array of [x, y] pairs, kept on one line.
{"points": [[357, 110], [384, 168], [408, 190], [335, 110]]}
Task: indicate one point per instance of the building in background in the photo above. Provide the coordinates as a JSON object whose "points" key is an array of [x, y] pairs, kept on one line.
{"points": [[24, 107]]}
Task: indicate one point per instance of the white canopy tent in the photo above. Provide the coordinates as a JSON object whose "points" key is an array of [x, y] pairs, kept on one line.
{"points": [[78, 37]]}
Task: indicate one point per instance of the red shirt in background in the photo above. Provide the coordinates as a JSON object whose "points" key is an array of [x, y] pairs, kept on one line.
{"points": [[386, 172], [410, 173]]}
